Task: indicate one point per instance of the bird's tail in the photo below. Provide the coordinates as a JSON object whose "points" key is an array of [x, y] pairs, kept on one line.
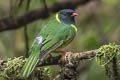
{"points": [[29, 65]]}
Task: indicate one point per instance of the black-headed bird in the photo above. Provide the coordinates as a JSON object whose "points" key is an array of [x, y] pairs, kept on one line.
{"points": [[54, 36]]}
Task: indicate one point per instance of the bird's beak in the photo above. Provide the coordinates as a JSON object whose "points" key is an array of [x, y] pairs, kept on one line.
{"points": [[74, 14]]}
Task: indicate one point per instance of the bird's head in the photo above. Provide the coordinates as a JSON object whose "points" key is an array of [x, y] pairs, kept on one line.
{"points": [[66, 16]]}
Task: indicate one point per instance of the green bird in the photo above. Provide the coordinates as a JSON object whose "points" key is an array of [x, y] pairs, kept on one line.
{"points": [[58, 33]]}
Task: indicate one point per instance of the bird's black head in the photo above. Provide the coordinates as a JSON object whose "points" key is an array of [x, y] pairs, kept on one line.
{"points": [[66, 16]]}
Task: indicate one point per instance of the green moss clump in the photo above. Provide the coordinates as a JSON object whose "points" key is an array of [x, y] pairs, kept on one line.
{"points": [[11, 69], [109, 57], [106, 53]]}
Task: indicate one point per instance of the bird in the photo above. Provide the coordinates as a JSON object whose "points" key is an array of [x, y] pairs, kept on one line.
{"points": [[54, 36]]}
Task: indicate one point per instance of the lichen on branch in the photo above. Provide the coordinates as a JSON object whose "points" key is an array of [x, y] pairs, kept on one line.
{"points": [[106, 55], [109, 56], [10, 68]]}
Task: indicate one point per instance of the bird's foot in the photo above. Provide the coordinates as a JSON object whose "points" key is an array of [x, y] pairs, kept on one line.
{"points": [[50, 56], [63, 52]]}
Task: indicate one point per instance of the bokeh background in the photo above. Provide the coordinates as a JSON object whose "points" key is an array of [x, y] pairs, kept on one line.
{"points": [[98, 23]]}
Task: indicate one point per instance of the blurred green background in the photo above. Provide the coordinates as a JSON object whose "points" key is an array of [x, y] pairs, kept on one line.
{"points": [[98, 23]]}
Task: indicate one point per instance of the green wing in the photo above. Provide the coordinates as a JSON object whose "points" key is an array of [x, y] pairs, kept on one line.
{"points": [[39, 51], [50, 38]]}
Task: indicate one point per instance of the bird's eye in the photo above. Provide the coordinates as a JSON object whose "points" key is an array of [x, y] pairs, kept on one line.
{"points": [[65, 13]]}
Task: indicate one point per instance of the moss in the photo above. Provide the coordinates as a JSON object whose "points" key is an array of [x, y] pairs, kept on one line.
{"points": [[109, 56], [106, 53], [12, 68]]}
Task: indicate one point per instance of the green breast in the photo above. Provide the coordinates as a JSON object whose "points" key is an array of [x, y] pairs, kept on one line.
{"points": [[72, 34], [64, 32]]}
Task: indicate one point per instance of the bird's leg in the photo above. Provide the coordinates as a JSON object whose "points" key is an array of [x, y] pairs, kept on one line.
{"points": [[62, 52], [49, 56]]}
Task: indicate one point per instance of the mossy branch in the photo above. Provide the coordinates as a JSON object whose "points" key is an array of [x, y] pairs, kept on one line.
{"points": [[107, 55], [10, 68]]}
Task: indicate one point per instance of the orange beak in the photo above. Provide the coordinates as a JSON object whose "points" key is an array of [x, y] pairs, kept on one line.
{"points": [[74, 14]]}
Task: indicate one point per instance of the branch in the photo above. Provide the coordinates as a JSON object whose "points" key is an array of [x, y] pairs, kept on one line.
{"points": [[107, 56], [11, 23], [10, 68], [75, 56]]}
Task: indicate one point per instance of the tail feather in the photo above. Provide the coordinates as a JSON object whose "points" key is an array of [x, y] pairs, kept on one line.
{"points": [[29, 65], [38, 56]]}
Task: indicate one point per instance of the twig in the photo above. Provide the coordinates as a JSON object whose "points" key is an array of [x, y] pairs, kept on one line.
{"points": [[11, 23], [45, 6], [79, 56], [115, 69], [25, 31]]}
